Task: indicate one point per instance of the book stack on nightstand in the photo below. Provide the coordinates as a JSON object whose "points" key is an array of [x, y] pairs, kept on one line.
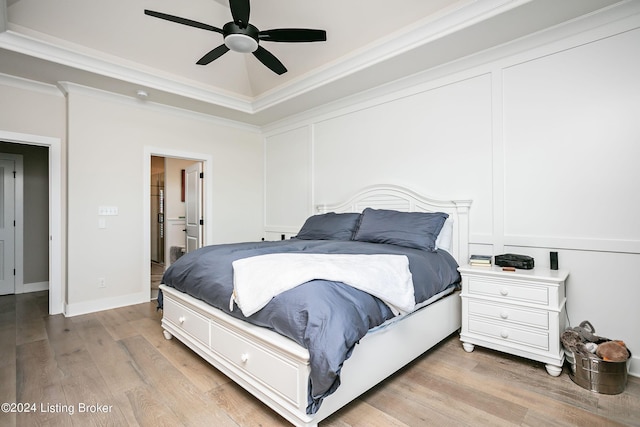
{"points": [[480, 260]]}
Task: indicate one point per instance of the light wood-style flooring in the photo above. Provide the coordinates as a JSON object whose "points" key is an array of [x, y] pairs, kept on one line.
{"points": [[157, 271], [119, 360]]}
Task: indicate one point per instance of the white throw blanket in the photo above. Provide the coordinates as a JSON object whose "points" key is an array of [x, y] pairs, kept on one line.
{"points": [[256, 280]]}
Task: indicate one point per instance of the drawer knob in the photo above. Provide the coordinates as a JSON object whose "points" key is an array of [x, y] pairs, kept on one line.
{"points": [[504, 315], [504, 292], [244, 357], [181, 319], [504, 334]]}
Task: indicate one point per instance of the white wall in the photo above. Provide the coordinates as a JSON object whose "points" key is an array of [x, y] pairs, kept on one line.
{"points": [[102, 165], [35, 114], [287, 165], [543, 135], [108, 137]]}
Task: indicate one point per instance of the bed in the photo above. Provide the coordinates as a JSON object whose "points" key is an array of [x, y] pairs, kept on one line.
{"points": [[281, 372]]}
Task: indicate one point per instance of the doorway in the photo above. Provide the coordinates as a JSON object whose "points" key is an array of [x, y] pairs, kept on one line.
{"points": [[169, 211], [24, 199], [54, 241], [157, 209]]}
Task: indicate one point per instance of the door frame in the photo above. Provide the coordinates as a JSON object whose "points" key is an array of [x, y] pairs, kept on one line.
{"points": [[56, 244], [207, 203]]}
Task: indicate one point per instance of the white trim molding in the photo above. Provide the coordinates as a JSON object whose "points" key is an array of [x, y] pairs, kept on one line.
{"points": [[65, 87], [16, 42], [101, 304], [56, 242], [32, 287], [207, 161], [574, 243]]}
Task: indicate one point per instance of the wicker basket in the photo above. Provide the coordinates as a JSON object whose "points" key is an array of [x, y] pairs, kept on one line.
{"points": [[598, 375]]}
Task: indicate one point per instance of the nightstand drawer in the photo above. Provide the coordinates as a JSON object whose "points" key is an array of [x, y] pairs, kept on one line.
{"points": [[511, 314], [504, 332], [508, 290]]}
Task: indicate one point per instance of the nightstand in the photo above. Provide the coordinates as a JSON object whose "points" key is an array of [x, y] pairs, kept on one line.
{"points": [[520, 312]]}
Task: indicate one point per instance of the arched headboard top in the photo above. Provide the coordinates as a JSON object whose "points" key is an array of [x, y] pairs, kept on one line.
{"points": [[405, 200]]}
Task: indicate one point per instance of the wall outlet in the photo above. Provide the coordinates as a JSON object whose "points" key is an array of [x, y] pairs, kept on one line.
{"points": [[102, 283]]}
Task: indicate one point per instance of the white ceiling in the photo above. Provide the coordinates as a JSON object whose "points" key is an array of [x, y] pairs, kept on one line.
{"points": [[113, 45]]}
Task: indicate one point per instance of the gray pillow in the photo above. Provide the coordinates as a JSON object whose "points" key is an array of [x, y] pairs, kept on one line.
{"points": [[329, 226], [418, 230]]}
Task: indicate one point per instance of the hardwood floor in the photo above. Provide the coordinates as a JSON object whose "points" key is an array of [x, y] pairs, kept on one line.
{"points": [[114, 368], [157, 270]]}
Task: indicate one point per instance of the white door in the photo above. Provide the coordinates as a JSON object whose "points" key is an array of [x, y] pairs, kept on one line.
{"points": [[193, 202], [7, 227]]}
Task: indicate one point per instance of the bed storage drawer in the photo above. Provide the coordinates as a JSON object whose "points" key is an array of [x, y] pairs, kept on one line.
{"points": [[192, 323], [264, 364]]}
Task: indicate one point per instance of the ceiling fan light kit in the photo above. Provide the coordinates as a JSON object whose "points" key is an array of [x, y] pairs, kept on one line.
{"points": [[240, 36], [243, 40]]}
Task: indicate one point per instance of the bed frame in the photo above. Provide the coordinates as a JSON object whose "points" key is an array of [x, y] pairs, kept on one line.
{"points": [[276, 370]]}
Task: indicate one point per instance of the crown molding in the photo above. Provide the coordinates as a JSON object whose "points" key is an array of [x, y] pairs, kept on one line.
{"points": [[27, 45], [616, 19], [463, 14], [19, 82], [361, 65], [70, 87], [446, 22]]}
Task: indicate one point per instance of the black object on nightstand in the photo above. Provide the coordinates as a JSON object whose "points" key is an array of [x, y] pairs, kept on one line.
{"points": [[553, 260], [524, 262]]}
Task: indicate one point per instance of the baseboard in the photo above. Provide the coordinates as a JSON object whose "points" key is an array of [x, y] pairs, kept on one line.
{"points": [[31, 287], [86, 307], [634, 366]]}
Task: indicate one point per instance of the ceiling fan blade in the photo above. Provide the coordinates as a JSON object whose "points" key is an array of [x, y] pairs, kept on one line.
{"points": [[269, 60], [293, 35], [213, 54], [240, 11], [183, 21]]}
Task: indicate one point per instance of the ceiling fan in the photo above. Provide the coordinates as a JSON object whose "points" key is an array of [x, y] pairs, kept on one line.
{"points": [[241, 36]]}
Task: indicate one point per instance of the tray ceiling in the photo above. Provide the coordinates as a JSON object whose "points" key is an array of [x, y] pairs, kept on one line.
{"points": [[113, 45]]}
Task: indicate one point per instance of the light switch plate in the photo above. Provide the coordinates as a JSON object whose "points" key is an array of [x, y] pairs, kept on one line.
{"points": [[107, 210]]}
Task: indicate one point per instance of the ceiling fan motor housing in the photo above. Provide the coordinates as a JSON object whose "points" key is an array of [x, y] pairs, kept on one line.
{"points": [[240, 39]]}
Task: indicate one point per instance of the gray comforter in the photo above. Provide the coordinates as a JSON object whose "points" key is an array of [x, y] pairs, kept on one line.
{"points": [[327, 318]]}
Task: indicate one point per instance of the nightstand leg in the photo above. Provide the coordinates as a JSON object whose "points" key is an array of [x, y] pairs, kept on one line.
{"points": [[553, 370], [468, 347], [167, 335]]}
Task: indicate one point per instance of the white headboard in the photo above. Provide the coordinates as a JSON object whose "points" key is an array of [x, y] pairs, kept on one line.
{"points": [[405, 200]]}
